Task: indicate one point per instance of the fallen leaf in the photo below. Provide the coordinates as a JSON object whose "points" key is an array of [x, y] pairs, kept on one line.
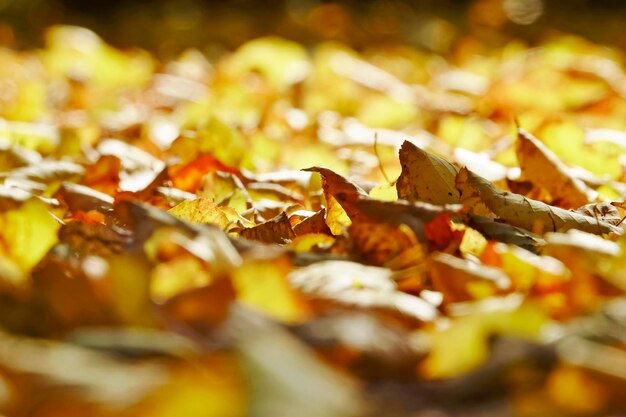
{"points": [[277, 230], [265, 286], [505, 233], [188, 177], [27, 233], [544, 169], [480, 196], [604, 211], [378, 243], [313, 224], [338, 212], [426, 177], [200, 210]]}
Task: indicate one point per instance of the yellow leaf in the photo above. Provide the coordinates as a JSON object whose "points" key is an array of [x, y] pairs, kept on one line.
{"points": [[282, 62], [426, 177], [472, 332], [338, 214], [28, 232], [263, 285], [306, 242], [385, 192], [213, 387], [222, 141], [178, 275], [200, 210], [336, 217], [544, 169]]}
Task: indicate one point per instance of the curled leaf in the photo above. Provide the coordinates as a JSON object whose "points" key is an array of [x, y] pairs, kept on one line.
{"points": [[276, 230], [544, 169], [426, 177], [482, 197]]}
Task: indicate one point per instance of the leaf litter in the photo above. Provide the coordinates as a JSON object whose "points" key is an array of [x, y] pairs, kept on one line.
{"points": [[268, 233]]}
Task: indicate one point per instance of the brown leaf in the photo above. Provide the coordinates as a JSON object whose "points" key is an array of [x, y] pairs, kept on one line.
{"points": [[426, 177], [339, 193], [378, 242], [605, 211], [396, 213], [277, 230], [80, 197], [545, 170], [505, 233], [480, 196], [202, 308], [314, 224]]}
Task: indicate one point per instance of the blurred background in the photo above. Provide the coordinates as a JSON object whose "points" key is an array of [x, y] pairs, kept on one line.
{"points": [[169, 26]]}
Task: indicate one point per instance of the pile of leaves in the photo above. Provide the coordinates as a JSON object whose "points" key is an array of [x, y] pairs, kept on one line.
{"points": [[283, 231]]}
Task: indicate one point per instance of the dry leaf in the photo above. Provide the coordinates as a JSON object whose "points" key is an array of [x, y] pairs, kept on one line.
{"points": [[377, 242], [277, 230], [605, 211], [480, 196], [338, 213], [426, 177], [313, 224], [201, 210], [544, 169], [505, 233]]}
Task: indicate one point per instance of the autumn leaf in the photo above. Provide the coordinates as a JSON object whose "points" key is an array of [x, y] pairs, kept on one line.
{"points": [[426, 177], [265, 286], [188, 177], [543, 168], [313, 224], [276, 230], [480, 196], [339, 213], [504, 232], [201, 210], [396, 213], [28, 232], [605, 211]]}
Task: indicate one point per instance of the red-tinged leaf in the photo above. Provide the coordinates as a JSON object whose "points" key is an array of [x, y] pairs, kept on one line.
{"points": [[441, 234], [189, 176]]}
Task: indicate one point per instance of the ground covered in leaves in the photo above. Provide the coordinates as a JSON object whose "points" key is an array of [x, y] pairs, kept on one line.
{"points": [[317, 232]]}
